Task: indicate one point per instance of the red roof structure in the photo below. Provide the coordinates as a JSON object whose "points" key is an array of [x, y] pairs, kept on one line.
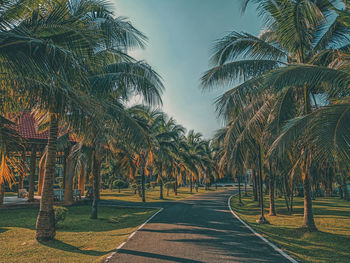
{"points": [[27, 128]]}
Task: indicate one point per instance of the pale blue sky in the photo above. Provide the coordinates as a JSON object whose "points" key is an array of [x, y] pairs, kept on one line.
{"points": [[181, 33]]}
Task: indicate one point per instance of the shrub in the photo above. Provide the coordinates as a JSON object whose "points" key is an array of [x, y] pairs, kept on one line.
{"points": [[118, 184], [60, 214]]}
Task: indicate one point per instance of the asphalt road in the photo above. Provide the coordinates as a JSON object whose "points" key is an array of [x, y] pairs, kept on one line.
{"points": [[198, 229]]}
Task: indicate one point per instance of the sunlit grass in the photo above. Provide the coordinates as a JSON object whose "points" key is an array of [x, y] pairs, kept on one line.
{"points": [[330, 244], [78, 239], [152, 195]]}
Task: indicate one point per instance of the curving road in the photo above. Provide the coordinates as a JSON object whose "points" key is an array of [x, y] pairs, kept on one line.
{"points": [[198, 229]]}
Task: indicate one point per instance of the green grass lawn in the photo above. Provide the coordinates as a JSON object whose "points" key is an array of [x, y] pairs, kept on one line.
{"points": [[330, 244], [152, 195], [78, 239], [10, 194]]}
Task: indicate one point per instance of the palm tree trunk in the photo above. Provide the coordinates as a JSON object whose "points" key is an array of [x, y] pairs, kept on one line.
{"points": [[96, 184], [42, 165], [286, 193], [239, 190], [175, 185], [255, 187], [32, 173], [191, 184], [65, 158], [81, 179], [309, 222], [143, 187], [262, 219], [45, 224], [258, 183], [68, 186], [161, 190], [272, 210]]}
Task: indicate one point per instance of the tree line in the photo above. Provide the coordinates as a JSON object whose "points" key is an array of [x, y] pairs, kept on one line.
{"points": [[68, 63], [287, 110]]}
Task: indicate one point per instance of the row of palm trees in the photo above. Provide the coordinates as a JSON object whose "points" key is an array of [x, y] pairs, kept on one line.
{"points": [[171, 154], [287, 115], [67, 61]]}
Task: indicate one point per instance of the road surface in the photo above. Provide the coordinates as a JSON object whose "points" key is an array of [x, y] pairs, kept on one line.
{"points": [[198, 229]]}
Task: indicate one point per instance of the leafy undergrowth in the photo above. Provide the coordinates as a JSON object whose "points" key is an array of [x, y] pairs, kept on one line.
{"points": [[330, 244], [152, 195], [78, 239]]}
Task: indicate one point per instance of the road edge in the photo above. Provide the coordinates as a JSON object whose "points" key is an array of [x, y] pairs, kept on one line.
{"points": [[274, 247], [133, 233]]}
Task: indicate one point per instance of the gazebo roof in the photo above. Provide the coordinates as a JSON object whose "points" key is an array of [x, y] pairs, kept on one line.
{"points": [[27, 128]]}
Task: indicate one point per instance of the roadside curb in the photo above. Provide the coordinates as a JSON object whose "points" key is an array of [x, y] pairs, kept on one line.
{"points": [[274, 247], [133, 233]]}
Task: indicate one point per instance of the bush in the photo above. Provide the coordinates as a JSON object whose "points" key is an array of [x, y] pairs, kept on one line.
{"points": [[60, 214], [119, 184]]}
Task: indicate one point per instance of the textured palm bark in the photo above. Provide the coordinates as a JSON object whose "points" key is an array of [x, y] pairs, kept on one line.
{"points": [[286, 193], [272, 210], [42, 165], [96, 184], [309, 222], [175, 185], [45, 224], [32, 174], [262, 219], [191, 184], [161, 196], [65, 158], [68, 186], [239, 190], [81, 179], [255, 187]]}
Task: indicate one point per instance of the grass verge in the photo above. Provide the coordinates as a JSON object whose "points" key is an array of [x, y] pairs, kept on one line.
{"points": [[330, 244], [78, 239], [152, 195]]}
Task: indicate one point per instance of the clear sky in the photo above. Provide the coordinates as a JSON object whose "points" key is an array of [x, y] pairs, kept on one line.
{"points": [[181, 33]]}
